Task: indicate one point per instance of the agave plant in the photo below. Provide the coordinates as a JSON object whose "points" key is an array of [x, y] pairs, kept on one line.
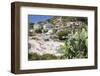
{"points": [[76, 44]]}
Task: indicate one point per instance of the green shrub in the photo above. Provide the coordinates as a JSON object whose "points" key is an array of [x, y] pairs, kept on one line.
{"points": [[62, 34], [75, 45], [48, 57], [54, 31], [35, 56], [31, 34], [75, 48], [45, 31], [38, 30]]}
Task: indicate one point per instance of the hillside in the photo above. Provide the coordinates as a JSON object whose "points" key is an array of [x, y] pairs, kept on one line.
{"points": [[62, 37]]}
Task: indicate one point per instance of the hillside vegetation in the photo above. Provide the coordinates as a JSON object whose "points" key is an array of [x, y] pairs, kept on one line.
{"points": [[71, 31]]}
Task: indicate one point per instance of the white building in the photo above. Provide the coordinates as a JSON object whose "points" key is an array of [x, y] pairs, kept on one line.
{"points": [[47, 26], [37, 26]]}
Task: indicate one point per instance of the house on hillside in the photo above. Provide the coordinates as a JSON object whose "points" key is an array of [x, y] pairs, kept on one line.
{"points": [[74, 24], [37, 26], [48, 26]]}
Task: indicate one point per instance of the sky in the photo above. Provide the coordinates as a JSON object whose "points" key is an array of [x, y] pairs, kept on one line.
{"points": [[37, 18]]}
